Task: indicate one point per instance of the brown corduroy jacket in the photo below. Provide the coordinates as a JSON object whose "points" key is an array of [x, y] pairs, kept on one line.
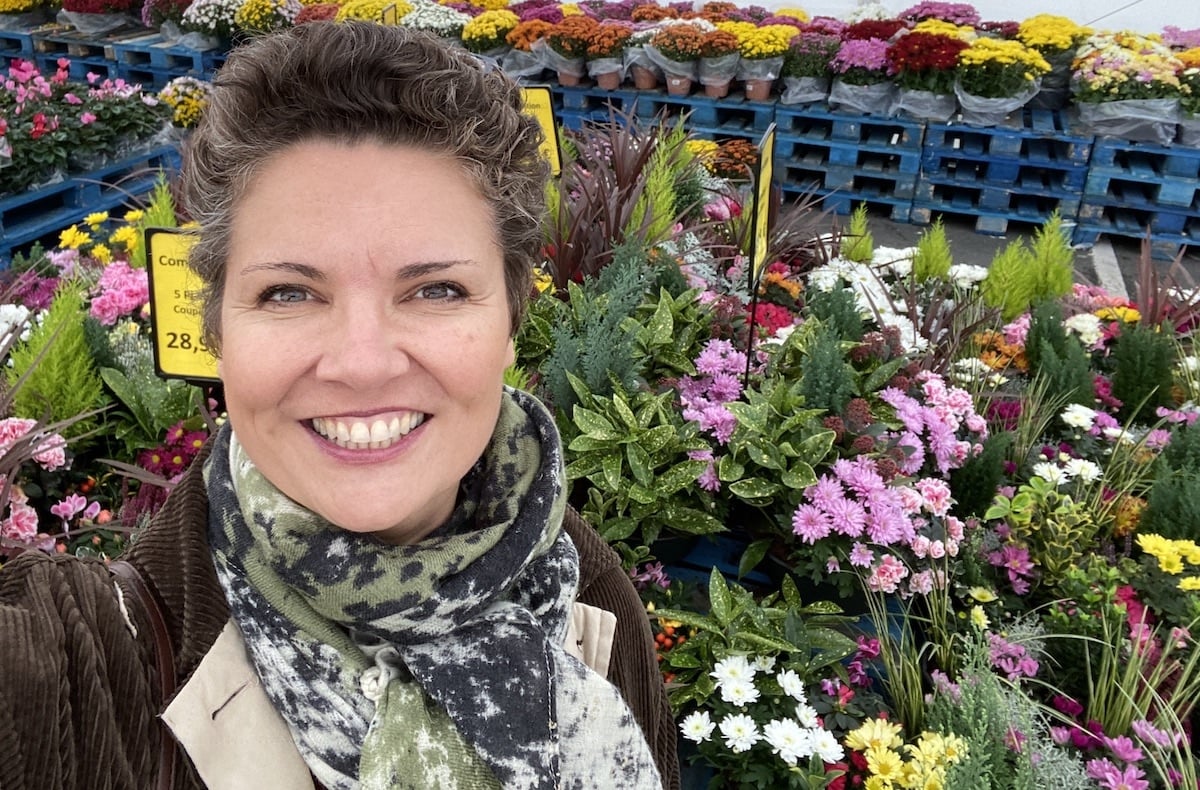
{"points": [[79, 699]]}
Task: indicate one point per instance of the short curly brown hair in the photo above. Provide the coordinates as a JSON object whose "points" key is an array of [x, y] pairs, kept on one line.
{"points": [[359, 81]]}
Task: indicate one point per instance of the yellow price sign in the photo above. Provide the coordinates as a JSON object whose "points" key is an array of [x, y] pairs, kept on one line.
{"points": [[179, 351], [388, 15], [762, 204], [537, 103]]}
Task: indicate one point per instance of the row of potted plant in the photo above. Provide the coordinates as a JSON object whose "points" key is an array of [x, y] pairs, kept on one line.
{"points": [[52, 127], [965, 494]]}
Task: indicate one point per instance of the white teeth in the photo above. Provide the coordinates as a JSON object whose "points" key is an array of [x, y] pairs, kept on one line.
{"points": [[361, 435]]}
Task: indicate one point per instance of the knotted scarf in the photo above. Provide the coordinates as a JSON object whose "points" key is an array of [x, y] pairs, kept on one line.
{"points": [[435, 664]]}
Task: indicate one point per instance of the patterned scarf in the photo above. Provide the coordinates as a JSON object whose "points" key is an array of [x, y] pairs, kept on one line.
{"points": [[437, 664]]}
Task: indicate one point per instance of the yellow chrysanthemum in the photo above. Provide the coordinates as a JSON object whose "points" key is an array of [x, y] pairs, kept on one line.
{"points": [[73, 238], [96, 219], [1128, 315], [940, 27], [542, 281], [1190, 584], [982, 594], [874, 734], [134, 215], [794, 13], [979, 618], [127, 236], [885, 763], [101, 253], [570, 9]]}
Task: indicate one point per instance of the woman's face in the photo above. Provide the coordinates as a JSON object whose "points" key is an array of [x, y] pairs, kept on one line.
{"points": [[365, 332]]}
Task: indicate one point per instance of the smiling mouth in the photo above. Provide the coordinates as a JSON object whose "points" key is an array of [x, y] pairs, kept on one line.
{"points": [[367, 434]]}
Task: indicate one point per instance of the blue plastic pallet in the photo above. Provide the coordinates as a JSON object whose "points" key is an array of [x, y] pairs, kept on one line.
{"points": [[993, 208], [155, 52], [1163, 247], [733, 112], [574, 120], [64, 41], [878, 196], [1036, 136], [1129, 221], [151, 78], [1112, 185], [987, 171], [591, 98], [78, 68], [15, 44], [880, 159], [817, 123], [1145, 161], [42, 213]]}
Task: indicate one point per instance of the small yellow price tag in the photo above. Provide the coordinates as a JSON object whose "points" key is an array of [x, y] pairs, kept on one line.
{"points": [[179, 352], [388, 15], [537, 104], [762, 203]]}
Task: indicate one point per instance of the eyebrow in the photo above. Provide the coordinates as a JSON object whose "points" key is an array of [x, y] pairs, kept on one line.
{"points": [[412, 271]]}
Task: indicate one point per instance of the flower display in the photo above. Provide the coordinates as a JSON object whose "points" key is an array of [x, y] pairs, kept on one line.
{"points": [[156, 12], [187, 97], [882, 29], [524, 34], [571, 36], [609, 40], [718, 43], [1051, 34], [861, 61], [1124, 65], [925, 61], [101, 6], [995, 68], [435, 18], [809, 54], [955, 13], [489, 30], [212, 17], [18, 6], [682, 43], [765, 42], [263, 16]]}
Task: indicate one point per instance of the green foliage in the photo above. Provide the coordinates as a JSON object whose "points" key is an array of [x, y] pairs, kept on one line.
{"points": [[670, 332], [932, 258], [1173, 505], [151, 405], [804, 637], [658, 205], [1057, 528], [1058, 358], [828, 380], [633, 450], [518, 378], [838, 310], [857, 242], [34, 260], [1143, 358], [975, 482], [159, 213], [61, 381], [1053, 260], [591, 338], [1008, 286]]}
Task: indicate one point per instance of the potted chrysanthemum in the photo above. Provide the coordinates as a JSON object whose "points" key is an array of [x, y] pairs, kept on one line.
{"points": [[1127, 85], [606, 51], [861, 80], [487, 34], [995, 77], [923, 65], [719, 59], [806, 67], [1189, 101], [565, 48], [762, 50], [676, 49], [1056, 38]]}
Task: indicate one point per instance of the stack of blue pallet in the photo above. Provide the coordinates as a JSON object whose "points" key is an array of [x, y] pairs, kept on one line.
{"points": [[848, 158], [40, 214], [16, 44], [153, 61], [1135, 189], [706, 118], [1022, 171], [84, 54]]}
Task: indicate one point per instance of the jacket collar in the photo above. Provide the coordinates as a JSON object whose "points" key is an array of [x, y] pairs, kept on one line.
{"points": [[236, 739]]}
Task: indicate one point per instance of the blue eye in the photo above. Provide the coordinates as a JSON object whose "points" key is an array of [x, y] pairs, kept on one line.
{"points": [[284, 294], [441, 291]]}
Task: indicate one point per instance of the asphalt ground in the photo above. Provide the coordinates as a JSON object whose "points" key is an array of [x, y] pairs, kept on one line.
{"points": [[1111, 262]]}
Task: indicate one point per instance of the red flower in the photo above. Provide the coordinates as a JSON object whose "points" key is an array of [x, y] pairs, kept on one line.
{"points": [[882, 29], [39, 126], [770, 318]]}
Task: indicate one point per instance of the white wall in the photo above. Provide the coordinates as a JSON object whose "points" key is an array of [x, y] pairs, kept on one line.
{"points": [[1147, 16]]}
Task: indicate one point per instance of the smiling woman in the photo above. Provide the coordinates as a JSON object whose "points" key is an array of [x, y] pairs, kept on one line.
{"points": [[371, 579]]}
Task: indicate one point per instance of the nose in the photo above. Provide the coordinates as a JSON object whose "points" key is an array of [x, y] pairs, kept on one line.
{"points": [[362, 347]]}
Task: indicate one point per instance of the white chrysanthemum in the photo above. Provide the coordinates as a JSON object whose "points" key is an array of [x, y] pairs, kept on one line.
{"points": [[826, 747], [1087, 326], [1189, 365], [733, 668], [1083, 469], [764, 663], [739, 692], [740, 732], [1051, 473], [1079, 416], [1116, 435], [807, 716], [965, 275], [896, 261], [792, 685], [697, 726], [788, 740]]}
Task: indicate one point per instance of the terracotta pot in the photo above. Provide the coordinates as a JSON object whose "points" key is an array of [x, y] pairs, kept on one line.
{"points": [[609, 80], [644, 79], [568, 80], [758, 90], [717, 90], [679, 86]]}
